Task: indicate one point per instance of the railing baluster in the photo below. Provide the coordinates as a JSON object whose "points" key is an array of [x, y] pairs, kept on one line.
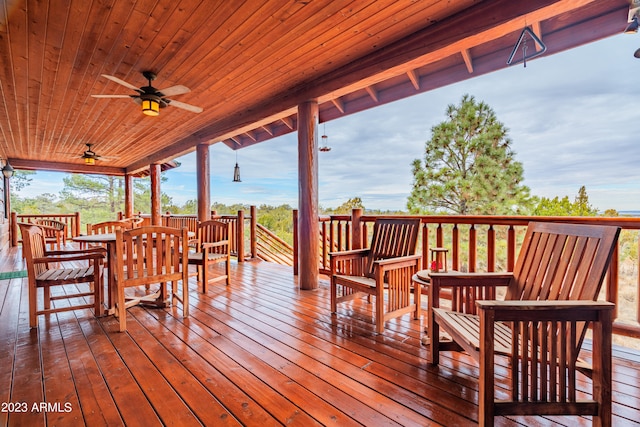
{"points": [[455, 247], [473, 243]]}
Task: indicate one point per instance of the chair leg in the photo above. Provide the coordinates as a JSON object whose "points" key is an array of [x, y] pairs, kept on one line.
{"points": [[199, 276], [96, 287], [379, 307], [334, 296], [185, 297], [228, 270], [205, 277], [121, 310], [47, 298], [33, 306]]}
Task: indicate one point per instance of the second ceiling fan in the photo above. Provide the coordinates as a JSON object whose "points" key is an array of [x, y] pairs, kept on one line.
{"points": [[150, 98]]}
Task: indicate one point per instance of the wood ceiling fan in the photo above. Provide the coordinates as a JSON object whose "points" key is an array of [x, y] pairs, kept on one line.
{"points": [[150, 98], [90, 156]]}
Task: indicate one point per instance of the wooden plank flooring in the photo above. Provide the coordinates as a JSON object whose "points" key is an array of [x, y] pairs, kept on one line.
{"points": [[259, 353]]}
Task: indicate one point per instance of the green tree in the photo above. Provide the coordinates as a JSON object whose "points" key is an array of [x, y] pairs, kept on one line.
{"points": [[346, 207], [469, 166], [21, 179], [278, 219], [564, 207], [93, 191], [42, 203]]}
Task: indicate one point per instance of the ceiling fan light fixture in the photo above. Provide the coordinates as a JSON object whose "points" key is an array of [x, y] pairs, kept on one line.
{"points": [[90, 161], [151, 105]]}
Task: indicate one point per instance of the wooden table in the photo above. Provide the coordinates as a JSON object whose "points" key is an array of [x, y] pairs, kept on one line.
{"points": [[421, 282], [108, 239]]}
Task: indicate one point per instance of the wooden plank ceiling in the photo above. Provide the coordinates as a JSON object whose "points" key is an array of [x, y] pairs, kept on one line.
{"points": [[248, 65]]}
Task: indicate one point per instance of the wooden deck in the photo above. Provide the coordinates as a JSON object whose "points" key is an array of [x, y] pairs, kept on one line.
{"points": [[259, 352]]}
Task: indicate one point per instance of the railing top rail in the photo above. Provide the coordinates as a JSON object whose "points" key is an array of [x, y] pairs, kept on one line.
{"points": [[324, 218], [626, 222], [72, 215]]}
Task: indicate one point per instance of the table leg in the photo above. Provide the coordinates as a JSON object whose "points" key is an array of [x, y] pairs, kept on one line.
{"points": [[111, 278], [417, 292]]}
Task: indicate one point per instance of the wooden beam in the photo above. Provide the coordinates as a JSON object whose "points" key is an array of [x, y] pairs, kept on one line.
{"points": [[288, 122], [338, 104], [537, 30], [65, 167], [128, 195], [372, 93], [203, 179], [468, 61], [169, 153], [415, 79], [251, 135], [154, 175], [267, 129], [308, 228]]}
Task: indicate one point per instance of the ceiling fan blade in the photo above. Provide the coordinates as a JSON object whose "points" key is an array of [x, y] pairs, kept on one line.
{"points": [[111, 96], [184, 106], [174, 90], [121, 82]]}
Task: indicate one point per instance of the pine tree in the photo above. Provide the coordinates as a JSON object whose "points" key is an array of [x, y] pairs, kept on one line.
{"points": [[469, 166]]}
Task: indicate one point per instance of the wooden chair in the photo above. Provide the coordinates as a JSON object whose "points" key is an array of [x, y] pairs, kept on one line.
{"points": [[134, 221], [212, 247], [55, 232], [107, 227], [550, 302], [42, 274], [147, 256], [388, 264]]}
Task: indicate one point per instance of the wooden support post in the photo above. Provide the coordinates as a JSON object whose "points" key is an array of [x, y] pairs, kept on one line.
{"points": [[76, 225], [295, 242], [14, 229], [240, 236], [254, 240], [204, 182], [7, 197], [356, 229], [308, 227], [154, 174], [7, 209], [128, 195]]}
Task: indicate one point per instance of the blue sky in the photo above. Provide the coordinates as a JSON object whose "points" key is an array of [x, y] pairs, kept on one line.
{"points": [[572, 118]]}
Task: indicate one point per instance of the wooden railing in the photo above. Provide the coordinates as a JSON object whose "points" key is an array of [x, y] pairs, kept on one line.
{"points": [[272, 248], [239, 244], [491, 243], [71, 220]]}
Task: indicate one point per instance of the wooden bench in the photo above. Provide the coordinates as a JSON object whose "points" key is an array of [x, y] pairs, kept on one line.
{"points": [[387, 265], [549, 304]]}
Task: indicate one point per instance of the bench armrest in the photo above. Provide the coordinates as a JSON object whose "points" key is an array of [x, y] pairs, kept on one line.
{"points": [[544, 310], [98, 250], [214, 244], [354, 253], [398, 262], [95, 253], [457, 279]]}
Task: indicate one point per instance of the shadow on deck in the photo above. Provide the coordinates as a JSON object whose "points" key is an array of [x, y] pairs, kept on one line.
{"points": [[259, 352]]}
